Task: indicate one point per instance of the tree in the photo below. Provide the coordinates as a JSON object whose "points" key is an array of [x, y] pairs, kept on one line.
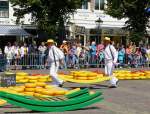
{"points": [[46, 14], [134, 11]]}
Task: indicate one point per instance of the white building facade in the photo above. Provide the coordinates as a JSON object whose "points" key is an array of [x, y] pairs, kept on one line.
{"points": [[84, 24], [6, 14], [8, 27]]}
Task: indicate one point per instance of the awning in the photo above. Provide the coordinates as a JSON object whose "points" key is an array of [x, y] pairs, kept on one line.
{"points": [[12, 30]]}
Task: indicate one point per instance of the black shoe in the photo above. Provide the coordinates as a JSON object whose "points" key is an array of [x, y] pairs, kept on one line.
{"points": [[117, 82], [113, 86], [61, 85]]}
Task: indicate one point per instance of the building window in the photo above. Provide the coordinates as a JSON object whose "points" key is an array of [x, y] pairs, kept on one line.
{"points": [[99, 4], [4, 9], [84, 4]]}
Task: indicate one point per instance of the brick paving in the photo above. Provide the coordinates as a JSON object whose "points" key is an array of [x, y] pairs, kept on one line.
{"points": [[131, 97]]}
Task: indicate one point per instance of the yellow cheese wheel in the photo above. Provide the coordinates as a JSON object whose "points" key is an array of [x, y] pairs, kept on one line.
{"points": [[47, 92], [43, 77], [21, 74], [49, 79], [30, 89], [60, 92], [2, 102], [17, 89], [37, 95], [30, 85], [91, 78], [49, 86], [100, 75], [20, 77], [81, 78], [11, 91], [22, 86], [28, 93], [23, 81], [72, 91], [33, 77], [39, 90], [42, 80], [33, 81], [41, 84], [69, 76], [82, 75]]}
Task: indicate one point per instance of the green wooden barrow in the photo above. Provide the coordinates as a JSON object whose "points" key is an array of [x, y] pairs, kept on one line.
{"points": [[47, 102], [77, 100]]}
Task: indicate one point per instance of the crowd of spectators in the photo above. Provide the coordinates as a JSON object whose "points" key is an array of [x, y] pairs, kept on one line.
{"points": [[76, 55]]}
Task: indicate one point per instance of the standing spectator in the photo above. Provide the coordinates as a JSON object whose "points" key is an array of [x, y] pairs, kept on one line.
{"points": [[121, 56], [73, 56], [133, 53], [93, 52], [138, 57], [24, 54], [129, 55], [143, 52], [100, 54], [2, 62], [42, 48], [8, 53], [87, 53], [148, 54], [79, 50], [33, 55], [65, 48], [16, 54]]}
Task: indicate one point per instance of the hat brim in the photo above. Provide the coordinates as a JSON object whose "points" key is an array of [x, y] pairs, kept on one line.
{"points": [[49, 42]]}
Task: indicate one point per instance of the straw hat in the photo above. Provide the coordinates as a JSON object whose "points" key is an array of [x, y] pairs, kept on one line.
{"points": [[50, 41], [107, 39]]}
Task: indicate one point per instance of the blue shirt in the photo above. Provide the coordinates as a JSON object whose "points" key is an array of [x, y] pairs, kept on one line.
{"points": [[93, 49]]}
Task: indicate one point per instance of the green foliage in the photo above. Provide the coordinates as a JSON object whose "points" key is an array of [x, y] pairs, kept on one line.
{"points": [[134, 11], [45, 13]]}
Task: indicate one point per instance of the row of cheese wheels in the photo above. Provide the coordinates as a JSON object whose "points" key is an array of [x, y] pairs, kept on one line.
{"points": [[23, 77], [37, 89], [84, 75], [126, 74]]}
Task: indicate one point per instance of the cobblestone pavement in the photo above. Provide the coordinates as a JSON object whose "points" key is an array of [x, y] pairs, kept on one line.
{"points": [[131, 97]]}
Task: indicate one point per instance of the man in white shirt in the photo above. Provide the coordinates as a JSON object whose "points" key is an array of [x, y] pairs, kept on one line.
{"points": [[111, 57], [55, 57]]}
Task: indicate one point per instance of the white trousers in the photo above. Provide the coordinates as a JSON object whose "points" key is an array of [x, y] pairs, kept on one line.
{"points": [[109, 67], [53, 73]]}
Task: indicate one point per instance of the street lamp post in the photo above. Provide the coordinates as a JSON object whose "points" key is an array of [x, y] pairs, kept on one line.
{"points": [[98, 22]]}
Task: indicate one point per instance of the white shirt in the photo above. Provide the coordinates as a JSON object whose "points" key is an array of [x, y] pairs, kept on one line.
{"points": [[57, 53], [15, 50], [42, 49], [79, 49], [8, 52], [23, 51], [107, 53], [148, 51]]}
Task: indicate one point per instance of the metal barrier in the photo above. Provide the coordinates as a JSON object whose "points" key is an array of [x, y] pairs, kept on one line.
{"points": [[37, 61]]}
